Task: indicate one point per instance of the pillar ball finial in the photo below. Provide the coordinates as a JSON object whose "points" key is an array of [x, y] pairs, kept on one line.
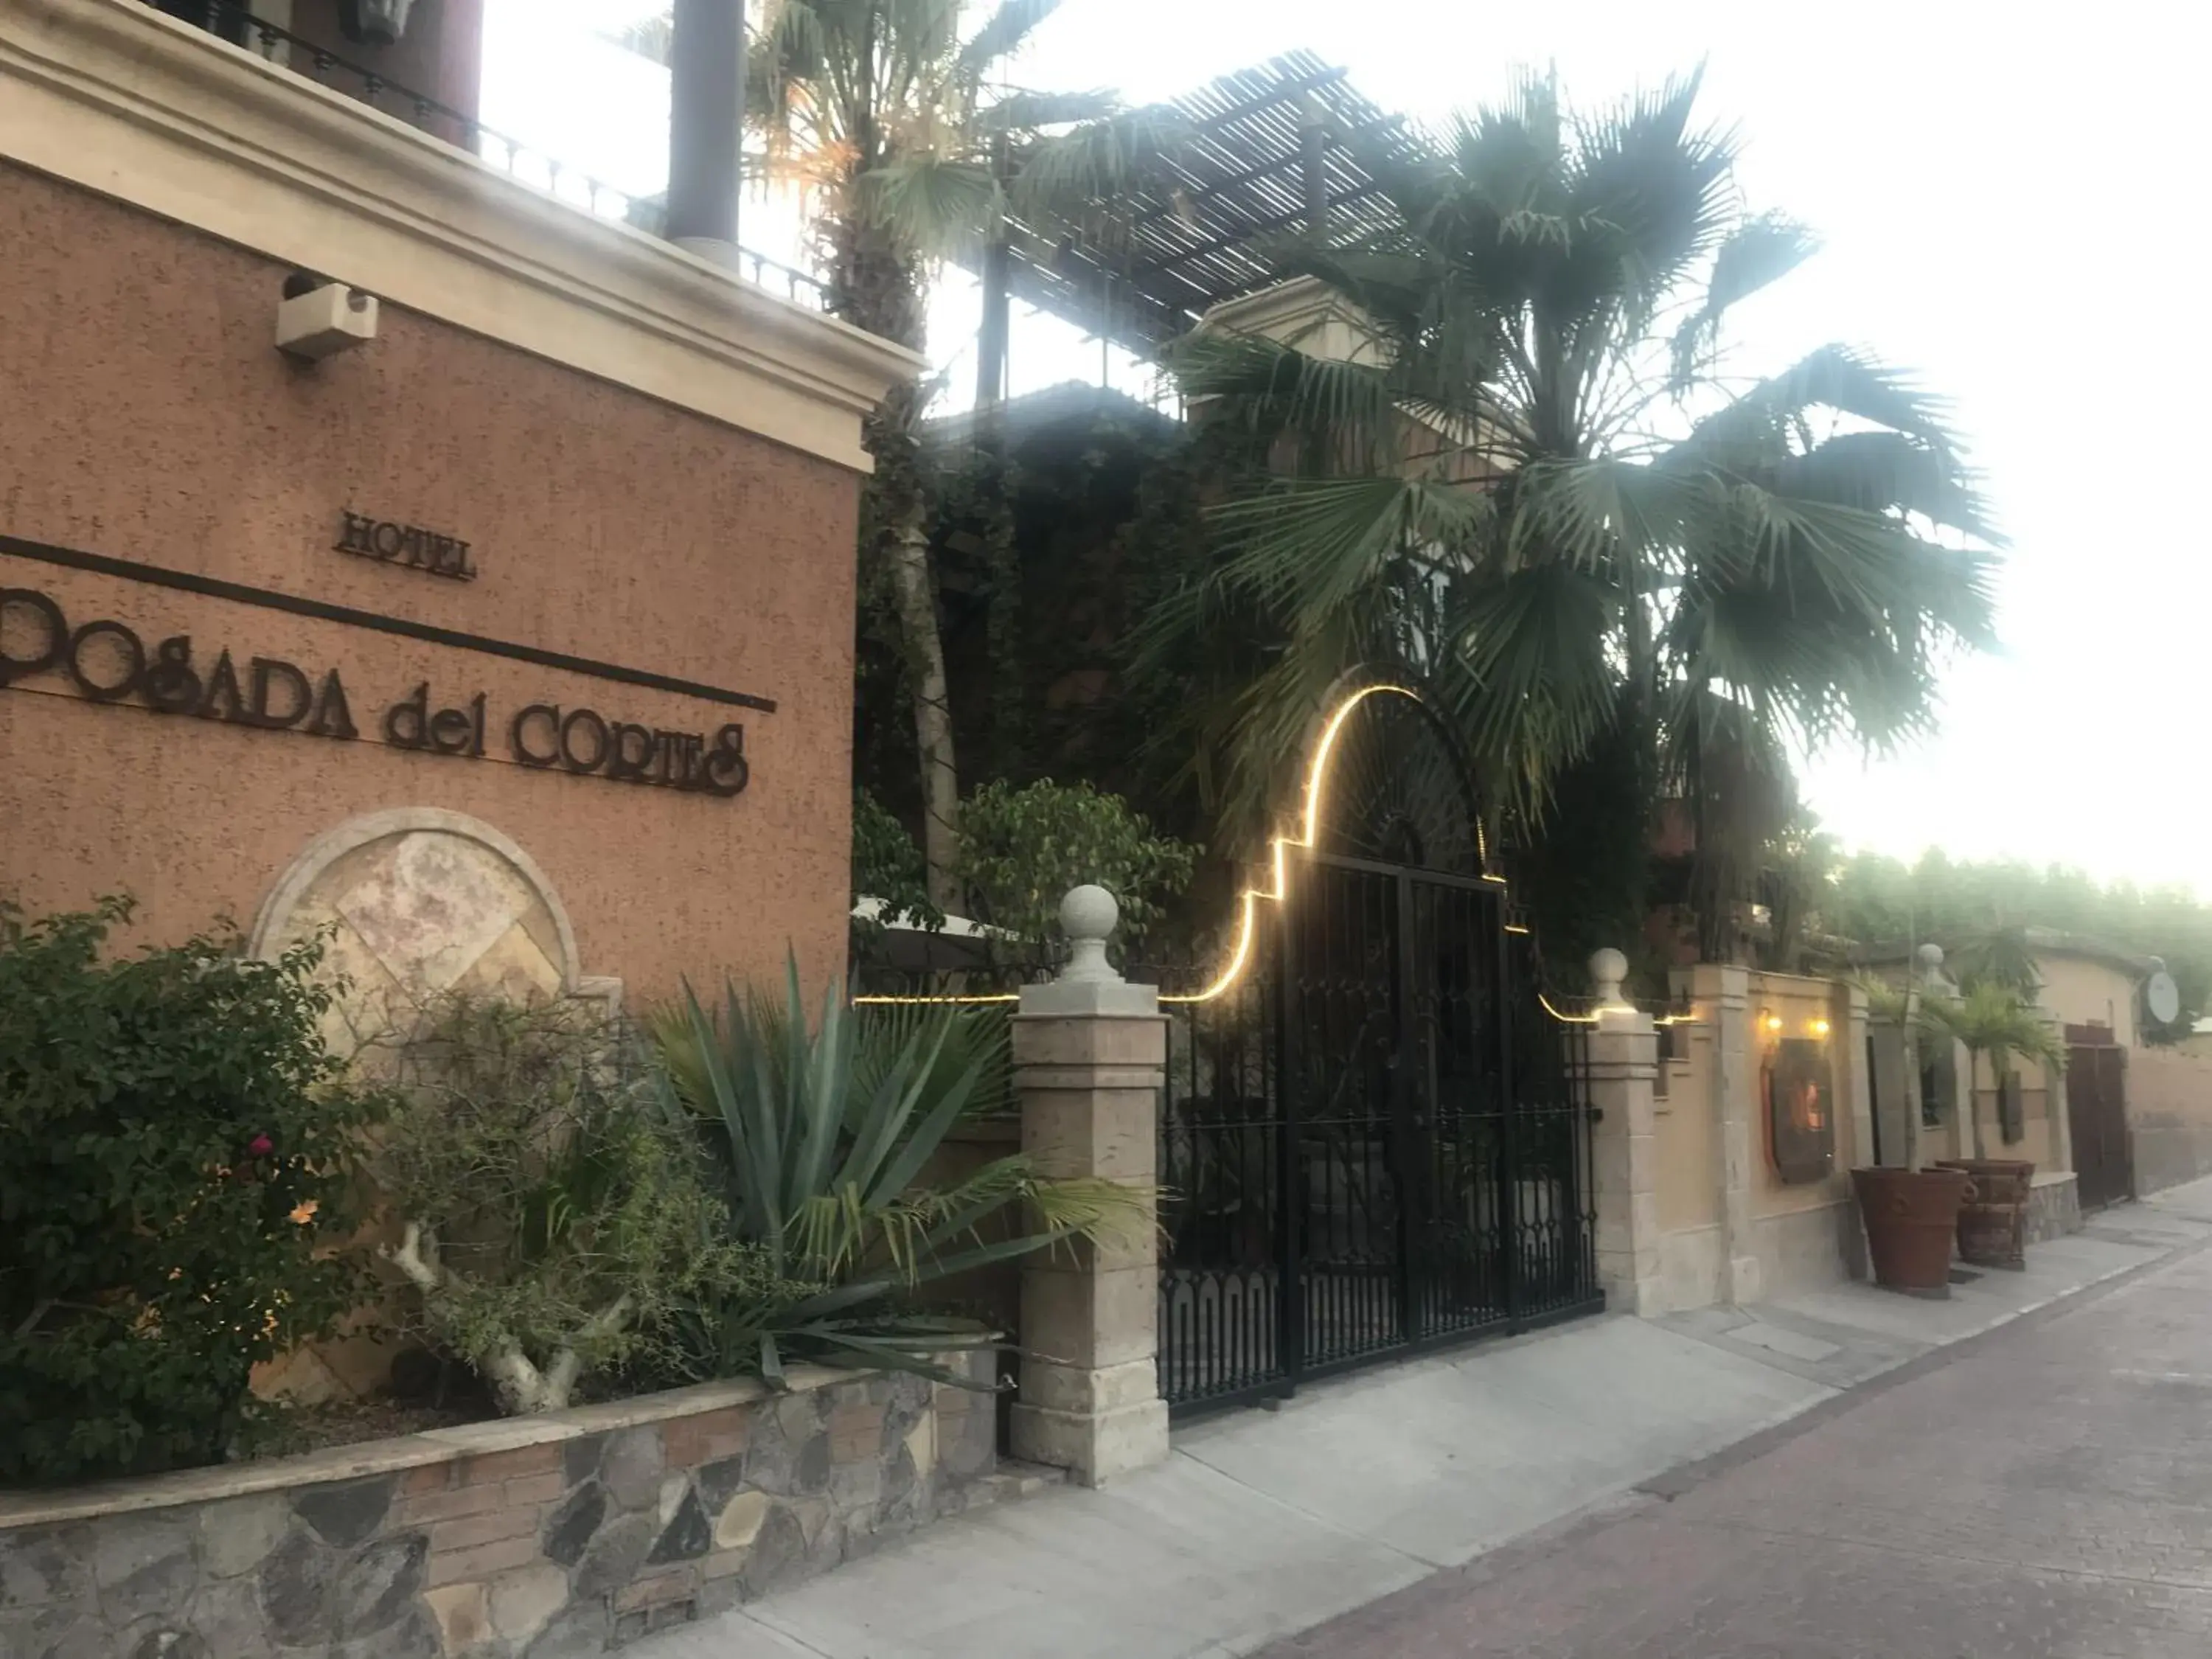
{"points": [[1607, 968], [1088, 913], [1087, 916]]}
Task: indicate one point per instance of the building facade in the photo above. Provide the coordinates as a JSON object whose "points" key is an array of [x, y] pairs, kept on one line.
{"points": [[512, 644]]}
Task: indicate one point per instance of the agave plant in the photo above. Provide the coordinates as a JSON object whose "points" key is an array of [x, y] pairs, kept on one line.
{"points": [[823, 1135], [1993, 1019]]}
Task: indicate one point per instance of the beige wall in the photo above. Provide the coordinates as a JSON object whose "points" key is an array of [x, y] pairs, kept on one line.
{"points": [[1799, 1004], [147, 417], [2080, 991], [1801, 1235], [1689, 1191], [2169, 1116]]}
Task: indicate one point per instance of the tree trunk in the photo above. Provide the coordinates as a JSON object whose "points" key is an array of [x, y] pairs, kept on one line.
{"points": [[1974, 1097], [916, 587], [876, 285]]}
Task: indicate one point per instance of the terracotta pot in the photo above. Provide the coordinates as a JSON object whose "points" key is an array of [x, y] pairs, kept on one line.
{"points": [[1911, 1218], [1993, 1224]]}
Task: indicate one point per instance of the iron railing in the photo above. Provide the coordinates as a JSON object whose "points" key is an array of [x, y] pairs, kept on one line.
{"points": [[531, 164]]}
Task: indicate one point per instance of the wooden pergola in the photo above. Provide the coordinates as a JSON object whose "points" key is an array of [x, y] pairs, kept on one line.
{"points": [[1264, 153]]}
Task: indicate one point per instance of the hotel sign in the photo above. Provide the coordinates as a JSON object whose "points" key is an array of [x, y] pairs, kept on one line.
{"points": [[109, 662], [408, 544]]}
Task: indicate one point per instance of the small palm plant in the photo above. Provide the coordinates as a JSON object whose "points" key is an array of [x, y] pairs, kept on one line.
{"points": [[1994, 1019], [823, 1136]]}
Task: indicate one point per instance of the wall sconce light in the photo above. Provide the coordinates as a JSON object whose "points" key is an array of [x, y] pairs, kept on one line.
{"points": [[1819, 1029], [374, 22], [1770, 1022], [318, 317]]}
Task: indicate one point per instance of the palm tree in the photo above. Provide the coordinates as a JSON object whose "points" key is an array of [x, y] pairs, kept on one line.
{"points": [[1994, 1019], [892, 122], [1532, 486]]}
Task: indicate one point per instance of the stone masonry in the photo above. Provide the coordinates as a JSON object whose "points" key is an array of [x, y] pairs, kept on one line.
{"points": [[537, 1538]]}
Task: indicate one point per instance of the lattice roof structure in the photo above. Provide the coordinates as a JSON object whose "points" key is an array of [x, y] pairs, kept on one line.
{"points": [[1270, 153]]}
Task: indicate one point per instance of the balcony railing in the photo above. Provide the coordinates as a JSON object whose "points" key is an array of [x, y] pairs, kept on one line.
{"points": [[238, 24]]}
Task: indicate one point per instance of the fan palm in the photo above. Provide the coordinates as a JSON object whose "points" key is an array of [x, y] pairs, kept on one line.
{"points": [[1994, 1019], [893, 123], [1531, 485]]}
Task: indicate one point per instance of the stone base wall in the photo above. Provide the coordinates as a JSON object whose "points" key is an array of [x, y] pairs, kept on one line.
{"points": [[1809, 1249], [1693, 1266], [538, 1538], [2054, 1207]]}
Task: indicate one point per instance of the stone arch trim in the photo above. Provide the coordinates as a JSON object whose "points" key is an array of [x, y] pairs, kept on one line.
{"points": [[271, 920]]}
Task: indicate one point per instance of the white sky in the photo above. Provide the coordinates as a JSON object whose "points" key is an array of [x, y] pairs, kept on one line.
{"points": [[2008, 203]]}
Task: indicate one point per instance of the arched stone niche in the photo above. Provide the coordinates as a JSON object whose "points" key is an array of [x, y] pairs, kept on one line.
{"points": [[419, 902]]}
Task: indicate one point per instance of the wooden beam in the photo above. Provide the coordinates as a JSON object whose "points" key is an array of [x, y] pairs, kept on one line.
{"points": [[1257, 227]]}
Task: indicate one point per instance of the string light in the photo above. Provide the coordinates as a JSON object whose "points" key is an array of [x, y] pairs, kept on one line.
{"points": [[1248, 923], [963, 1002], [1279, 850]]}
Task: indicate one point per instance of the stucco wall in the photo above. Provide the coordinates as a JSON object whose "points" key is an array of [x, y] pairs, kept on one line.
{"points": [[2169, 1116], [149, 418], [1802, 1234], [2080, 991]]}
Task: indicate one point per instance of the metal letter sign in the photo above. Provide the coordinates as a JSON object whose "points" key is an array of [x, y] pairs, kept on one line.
{"points": [[109, 662], [404, 543]]}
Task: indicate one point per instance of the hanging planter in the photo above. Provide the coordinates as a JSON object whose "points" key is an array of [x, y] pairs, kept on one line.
{"points": [[374, 22]]}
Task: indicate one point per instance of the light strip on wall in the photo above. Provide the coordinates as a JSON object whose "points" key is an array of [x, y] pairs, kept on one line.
{"points": [[1248, 920]]}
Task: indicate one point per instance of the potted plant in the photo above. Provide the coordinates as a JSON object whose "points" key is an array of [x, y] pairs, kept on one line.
{"points": [[1996, 1019], [1910, 1213]]}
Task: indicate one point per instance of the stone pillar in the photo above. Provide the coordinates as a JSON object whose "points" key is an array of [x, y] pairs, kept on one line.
{"points": [[1727, 992], [2055, 1104], [1853, 1071], [1623, 1060], [1090, 1060], [1847, 1016]]}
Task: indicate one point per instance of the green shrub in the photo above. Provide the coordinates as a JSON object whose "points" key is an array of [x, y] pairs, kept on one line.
{"points": [[887, 866], [177, 1156], [552, 1214], [1021, 849]]}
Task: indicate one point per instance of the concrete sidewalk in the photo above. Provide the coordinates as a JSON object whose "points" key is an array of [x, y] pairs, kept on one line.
{"points": [[1265, 1523]]}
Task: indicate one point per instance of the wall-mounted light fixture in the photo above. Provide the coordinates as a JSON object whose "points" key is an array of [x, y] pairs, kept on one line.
{"points": [[1819, 1028], [1770, 1022], [374, 22]]}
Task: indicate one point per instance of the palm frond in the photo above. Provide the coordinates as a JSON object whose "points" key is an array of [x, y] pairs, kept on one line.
{"points": [[1834, 377], [934, 204], [1307, 545], [1031, 111], [1756, 254], [1001, 35], [1103, 157]]}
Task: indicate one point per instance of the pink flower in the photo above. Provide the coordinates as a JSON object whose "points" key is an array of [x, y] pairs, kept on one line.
{"points": [[260, 1146]]}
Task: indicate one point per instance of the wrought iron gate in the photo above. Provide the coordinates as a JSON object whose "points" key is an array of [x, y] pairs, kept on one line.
{"points": [[1379, 1141]]}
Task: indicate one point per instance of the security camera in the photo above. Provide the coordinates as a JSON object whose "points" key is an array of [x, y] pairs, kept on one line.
{"points": [[318, 317]]}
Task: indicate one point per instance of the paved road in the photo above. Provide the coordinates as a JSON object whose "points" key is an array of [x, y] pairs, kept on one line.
{"points": [[2044, 1493]]}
